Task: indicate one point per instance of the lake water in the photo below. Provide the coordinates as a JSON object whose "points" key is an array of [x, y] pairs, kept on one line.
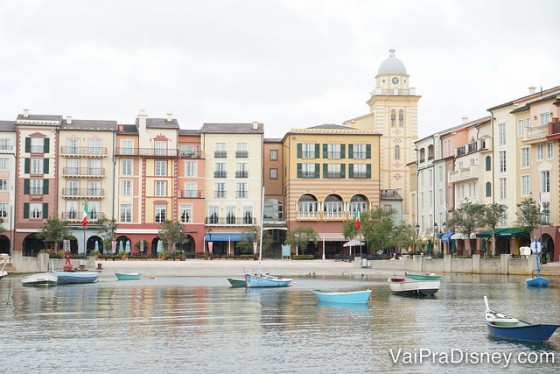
{"points": [[201, 325]]}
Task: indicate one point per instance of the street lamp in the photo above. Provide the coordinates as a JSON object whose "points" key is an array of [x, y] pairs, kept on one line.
{"points": [[210, 243], [434, 242], [416, 239], [444, 228]]}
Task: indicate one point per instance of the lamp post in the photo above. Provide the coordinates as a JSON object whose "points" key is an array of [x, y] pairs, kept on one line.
{"points": [[416, 239], [434, 242], [444, 228], [210, 243]]}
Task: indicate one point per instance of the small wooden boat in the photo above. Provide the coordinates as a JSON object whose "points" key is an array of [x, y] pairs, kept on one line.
{"points": [[431, 276], [353, 297], [75, 277], [128, 276], [257, 280], [405, 285], [4, 258], [40, 279], [537, 281], [503, 326], [237, 283]]}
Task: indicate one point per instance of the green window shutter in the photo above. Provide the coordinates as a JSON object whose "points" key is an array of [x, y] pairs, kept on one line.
{"points": [[368, 171], [45, 186], [317, 150], [46, 166], [25, 210], [343, 171], [299, 150], [317, 170], [351, 171], [26, 186], [350, 150], [368, 151], [325, 151], [27, 165], [488, 189], [27, 145], [45, 210], [343, 151], [299, 170], [46, 150], [325, 170]]}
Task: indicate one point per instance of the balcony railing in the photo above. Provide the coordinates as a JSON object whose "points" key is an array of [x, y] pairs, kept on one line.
{"points": [[237, 221], [220, 154], [220, 174], [83, 172], [241, 194], [191, 154], [78, 193], [194, 194], [147, 152], [242, 174], [75, 216], [464, 174], [83, 151], [241, 154]]}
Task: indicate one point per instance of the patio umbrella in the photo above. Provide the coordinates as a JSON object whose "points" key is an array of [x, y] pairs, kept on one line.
{"points": [[453, 246], [121, 246], [96, 246], [141, 246], [483, 249], [159, 246], [128, 246], [429, 246]]}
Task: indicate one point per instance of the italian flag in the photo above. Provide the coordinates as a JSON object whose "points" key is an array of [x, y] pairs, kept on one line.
{"points": [[358, 218], [86, 213]]}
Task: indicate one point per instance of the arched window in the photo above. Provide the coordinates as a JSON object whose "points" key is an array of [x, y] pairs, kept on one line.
{"points": [[307, 203], [488, 189], [401, 118], [397, 152], [488, 163], [422, 155], [393, 117], [333, 203], [355, 201]]}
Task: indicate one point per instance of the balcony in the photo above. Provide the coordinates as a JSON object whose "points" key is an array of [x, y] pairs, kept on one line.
{"points": [[192, 194], [241, 154], [82, 193], [538, 133], [465, 174], [6, 149], [308, 216], [220, 174], [147, 152], [83, 172], [220, 154], [241, 174], [192, 154], [75, 216], [230, 221], [476, 146], [83, 151]]}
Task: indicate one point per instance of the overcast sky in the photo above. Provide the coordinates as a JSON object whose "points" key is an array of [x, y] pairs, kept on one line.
{"points": [[286, 63]]}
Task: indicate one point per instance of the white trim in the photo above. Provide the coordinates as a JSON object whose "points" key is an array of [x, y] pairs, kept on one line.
{"points": [[136, 231]]}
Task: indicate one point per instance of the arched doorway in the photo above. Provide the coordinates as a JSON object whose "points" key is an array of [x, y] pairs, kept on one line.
{"points": [[91, 244], [154, 247], [188, 247], [32, 245], [121, 243], [4, 244], [548, 248]]}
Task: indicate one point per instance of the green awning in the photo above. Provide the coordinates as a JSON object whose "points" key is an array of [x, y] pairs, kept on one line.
{"points": [[502, 233]]}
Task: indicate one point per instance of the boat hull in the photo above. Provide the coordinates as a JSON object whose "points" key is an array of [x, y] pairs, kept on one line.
{"points": [[266, 281], [356, 297], [237, 283], [527, 332], [400, 285], [537, 282], [128, 276], [40, 279], [3, 273], [77, 277]]}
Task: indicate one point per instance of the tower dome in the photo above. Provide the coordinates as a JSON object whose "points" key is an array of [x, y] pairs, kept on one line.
{"points": [[391, 65]]}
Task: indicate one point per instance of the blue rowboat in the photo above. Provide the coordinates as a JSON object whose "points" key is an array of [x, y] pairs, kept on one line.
{"points": [[353, 297], [265, 281], [507, 327], [75, 277], [128, 276], [537, 282]]}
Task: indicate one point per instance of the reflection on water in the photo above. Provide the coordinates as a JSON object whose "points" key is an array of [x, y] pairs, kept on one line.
{"points": [[203, 325]]}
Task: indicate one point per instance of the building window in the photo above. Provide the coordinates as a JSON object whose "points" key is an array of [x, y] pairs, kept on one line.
{"points": [[126, 213], [160, 213], [71, 188], [3, 210], [241, 150], [213, 216], [185, 213], [273, 173], [160, 148], [525, 157], [94, 167], [273, 155], [502, 156], [520, 127], [94, 188], [308, 203], [71, 210], [545, 118], [127, 147], [126, 187], [488, 163], [219, 190], [308, 170], [241, 170], [4, 164], [230, 215], [401, 118], [525, 185], [308, 150], [161, 168], [503, 188], [502, 134], [488, 189], [220, 150], [37, 165], [550, 150], [393, 117], [191, 169], [333, 171], [161, 188], [94, 146], [241, 190], [359, 151], [94, 210], [545, 181], [5, 145], [36, 210], [540, 152], [359, 171], [126, 167], [36, 187], [220, 170], [333, 151], [248, 215], [37, 145], [397, 152]]}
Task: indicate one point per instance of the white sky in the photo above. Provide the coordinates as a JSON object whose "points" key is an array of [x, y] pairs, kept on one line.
{"points": [[286, 63]]}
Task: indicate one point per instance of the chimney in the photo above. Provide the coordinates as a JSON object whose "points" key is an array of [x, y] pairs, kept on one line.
{"points": [[69, 120], [26, 113], [169, 117], [532, 90], [465, 120], [142, 119], [255, 125]]}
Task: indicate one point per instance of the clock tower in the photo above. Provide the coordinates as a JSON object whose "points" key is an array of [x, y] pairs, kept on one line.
{"points": [[394, 113]]}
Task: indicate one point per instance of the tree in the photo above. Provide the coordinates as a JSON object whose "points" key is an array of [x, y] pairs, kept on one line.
{"points": [[467, 217], [529, 215], [377, 228], [107, 228], [404, 236], [172, 232], [252, 234], [54, 230], [493, 213], [301, 237]]}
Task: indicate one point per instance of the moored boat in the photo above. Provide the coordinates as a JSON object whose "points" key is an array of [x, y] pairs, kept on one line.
{"points": [[128, 276], [75, 277], [237, 283], [507, 327], [40, 279], [257, 280], [431, 276], [404, 285], [351, 297], [4, 258]]}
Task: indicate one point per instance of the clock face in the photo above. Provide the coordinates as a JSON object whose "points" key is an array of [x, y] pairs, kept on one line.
{"points": [[395, 80]]}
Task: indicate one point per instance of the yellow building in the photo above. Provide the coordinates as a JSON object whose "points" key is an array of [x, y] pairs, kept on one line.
{"points": [[329, 171]]}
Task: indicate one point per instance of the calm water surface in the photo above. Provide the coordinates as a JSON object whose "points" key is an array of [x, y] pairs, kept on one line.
{"points": [[201, 325]]}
